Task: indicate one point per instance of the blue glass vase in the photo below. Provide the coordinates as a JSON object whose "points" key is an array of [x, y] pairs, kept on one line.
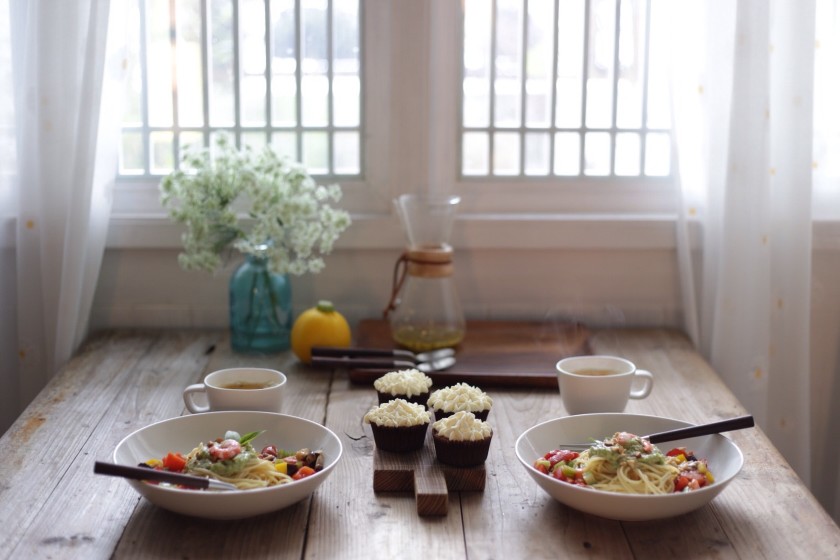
{"points": [[260, 308]]}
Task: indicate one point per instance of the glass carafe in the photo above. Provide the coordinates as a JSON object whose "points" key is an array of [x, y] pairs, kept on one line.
{"points": [[424, 311]]}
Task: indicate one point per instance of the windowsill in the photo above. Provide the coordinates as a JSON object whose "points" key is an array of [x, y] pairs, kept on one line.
{"points": [[381, 231], [478, 231]]}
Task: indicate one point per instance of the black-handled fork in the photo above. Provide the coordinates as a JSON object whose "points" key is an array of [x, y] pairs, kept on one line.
{"points": [[728, 425], [395, 353]]}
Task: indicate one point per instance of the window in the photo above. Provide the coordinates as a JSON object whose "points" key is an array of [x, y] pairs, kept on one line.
{"points": [[384, 98], [275, 72], [563, 88]]}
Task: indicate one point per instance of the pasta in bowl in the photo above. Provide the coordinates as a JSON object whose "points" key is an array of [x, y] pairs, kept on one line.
{"points": [[211, 443], [622, 476]]}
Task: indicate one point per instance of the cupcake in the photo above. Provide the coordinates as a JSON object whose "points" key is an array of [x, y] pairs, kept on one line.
{"points": [[408, 384], [462, 440], [460, 397], [398, 425]]}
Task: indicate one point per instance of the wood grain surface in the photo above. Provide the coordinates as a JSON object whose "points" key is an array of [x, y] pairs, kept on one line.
{"points": [[53, 506]]}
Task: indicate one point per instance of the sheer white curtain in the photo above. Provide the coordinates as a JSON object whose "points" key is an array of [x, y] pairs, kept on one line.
{"points": [[58, 174], [743, 100]]}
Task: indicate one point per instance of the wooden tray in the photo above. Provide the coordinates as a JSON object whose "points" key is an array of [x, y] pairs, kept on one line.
{"points": [[493, 353]]}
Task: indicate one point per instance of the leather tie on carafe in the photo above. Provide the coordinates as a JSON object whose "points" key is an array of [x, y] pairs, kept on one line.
{"points": [[422, 262]]}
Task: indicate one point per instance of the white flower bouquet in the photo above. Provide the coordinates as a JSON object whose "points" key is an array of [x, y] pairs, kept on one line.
{"points": [[255, 202]]}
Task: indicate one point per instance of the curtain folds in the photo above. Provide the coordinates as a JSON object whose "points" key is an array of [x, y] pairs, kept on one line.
{"points": [[61, 172], [743, 89]]}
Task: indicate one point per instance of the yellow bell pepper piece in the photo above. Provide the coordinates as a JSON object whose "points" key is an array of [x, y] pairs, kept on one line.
{"points": [[703, 469], [282, 466]]}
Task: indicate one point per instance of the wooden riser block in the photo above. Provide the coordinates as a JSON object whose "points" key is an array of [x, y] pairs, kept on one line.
{"points": [[430, 480], [464, 479], [430, 491]]}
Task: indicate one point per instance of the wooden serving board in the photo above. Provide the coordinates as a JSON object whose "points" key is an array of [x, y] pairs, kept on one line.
{"points": [[420, 472], [493, 353]]}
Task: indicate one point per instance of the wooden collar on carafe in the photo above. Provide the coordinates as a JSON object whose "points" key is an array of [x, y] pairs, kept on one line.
{"points": [[429, 261], [424, 262]]}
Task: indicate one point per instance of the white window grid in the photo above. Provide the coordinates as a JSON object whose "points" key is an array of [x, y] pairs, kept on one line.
{"points": [[160, 145], [524, 120], [431, 160]]}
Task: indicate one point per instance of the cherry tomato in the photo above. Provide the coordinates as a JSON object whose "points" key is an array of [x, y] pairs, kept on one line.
{"points": [[689, 479], [563, 455]]}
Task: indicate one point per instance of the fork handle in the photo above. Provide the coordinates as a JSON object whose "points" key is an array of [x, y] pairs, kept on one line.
{"points": [[730, 424], [337, 352], [361, 362], [140, 473]]}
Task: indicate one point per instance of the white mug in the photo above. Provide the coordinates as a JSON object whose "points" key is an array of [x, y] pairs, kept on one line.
{"points": [[600, 383], [238, 389]]}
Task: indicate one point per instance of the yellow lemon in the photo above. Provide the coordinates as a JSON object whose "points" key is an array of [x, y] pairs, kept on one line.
{"points": [[321, 325]]}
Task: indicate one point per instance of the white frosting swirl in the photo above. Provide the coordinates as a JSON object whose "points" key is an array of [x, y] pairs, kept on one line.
{"points": [[460, 397], [408, 382], [397, 413], [462, 426]]}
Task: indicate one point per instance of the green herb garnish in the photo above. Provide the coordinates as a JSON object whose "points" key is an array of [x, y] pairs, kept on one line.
{"points": [[249, 436]]}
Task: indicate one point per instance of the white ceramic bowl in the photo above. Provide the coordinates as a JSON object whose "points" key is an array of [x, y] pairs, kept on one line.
{"points": [[724, 458], [182, 434]]}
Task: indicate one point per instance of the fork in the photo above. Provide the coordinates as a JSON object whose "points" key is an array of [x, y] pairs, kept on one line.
{"points": [[396, 353], [737, 423]]}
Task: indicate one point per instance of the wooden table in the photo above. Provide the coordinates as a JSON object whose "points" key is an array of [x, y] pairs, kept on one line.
{"points": [[53, 506]]}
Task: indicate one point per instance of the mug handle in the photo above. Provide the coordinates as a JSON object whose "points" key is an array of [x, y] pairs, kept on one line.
{"points": [[643, 391], [188, 398]]}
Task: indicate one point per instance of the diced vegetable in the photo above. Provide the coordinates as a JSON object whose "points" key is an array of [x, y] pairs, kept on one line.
{"points": [[568, 471], [303, 472], [174, 462], [542, 465]]}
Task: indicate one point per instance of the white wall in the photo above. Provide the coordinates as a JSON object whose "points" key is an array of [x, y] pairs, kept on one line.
{"points": [[146, 288]]}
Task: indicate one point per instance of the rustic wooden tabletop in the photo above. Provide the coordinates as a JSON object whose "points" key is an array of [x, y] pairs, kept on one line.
{"points": [[53, 506]]}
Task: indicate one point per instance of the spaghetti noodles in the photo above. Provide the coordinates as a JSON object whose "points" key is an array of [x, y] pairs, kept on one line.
{"points": [[628, 464], [245, 471], [233, 459]]}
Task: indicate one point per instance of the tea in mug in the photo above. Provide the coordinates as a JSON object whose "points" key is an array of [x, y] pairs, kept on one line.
{"points": [[249, 385], [594, 371]]}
